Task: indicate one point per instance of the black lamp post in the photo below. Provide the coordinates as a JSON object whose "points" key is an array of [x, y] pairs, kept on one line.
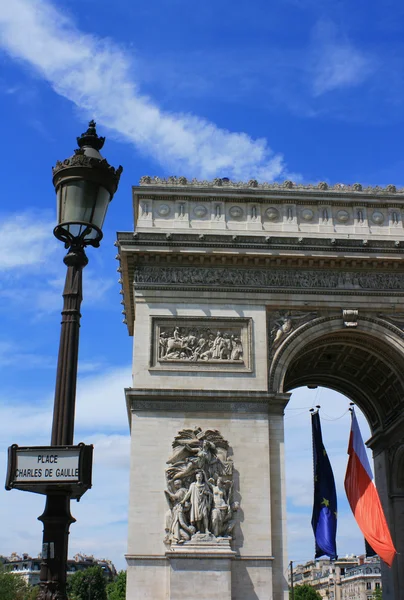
{"points": [[85, 184]]}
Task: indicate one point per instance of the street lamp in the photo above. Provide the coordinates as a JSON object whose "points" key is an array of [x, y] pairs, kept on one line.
{"points": [[85, 184]]}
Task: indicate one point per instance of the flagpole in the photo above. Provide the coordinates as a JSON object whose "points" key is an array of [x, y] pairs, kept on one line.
{"points": [[292, 590]]}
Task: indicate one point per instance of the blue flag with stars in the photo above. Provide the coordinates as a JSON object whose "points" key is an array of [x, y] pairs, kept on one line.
{"points": [[324, 519]]}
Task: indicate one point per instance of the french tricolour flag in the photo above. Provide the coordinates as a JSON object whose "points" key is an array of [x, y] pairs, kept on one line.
{"points": [[364, 499]]}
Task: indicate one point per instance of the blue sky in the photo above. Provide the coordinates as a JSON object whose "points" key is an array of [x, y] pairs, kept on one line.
{"points": [[305, 89]]}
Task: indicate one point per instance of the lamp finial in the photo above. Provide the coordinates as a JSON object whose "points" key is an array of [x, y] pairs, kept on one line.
{"points": [[91, 138]]}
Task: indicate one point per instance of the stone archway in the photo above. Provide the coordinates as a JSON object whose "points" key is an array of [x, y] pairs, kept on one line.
{"points": [[366, 364], [309, 280]]}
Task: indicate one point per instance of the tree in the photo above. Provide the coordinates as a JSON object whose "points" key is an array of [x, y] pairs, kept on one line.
{"points": [[12, 586], [305, 592], [87, 585], [117, 589], [377, 594]]}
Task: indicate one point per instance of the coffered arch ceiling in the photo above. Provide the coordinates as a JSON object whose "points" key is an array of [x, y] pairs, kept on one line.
{"points": [[363, 367]]}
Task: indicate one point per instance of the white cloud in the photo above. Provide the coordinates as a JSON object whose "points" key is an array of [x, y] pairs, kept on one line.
{"points": [[32, 271], [98, 77], [26, 241], [335, 62]]}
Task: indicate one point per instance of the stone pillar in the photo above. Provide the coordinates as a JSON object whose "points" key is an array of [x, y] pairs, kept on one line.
{"points": [[200, 570], [243, 567], [278, 497], [389, 479]]}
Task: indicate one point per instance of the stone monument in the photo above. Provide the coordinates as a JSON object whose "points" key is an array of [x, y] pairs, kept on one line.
{"points": [[236, 294]]}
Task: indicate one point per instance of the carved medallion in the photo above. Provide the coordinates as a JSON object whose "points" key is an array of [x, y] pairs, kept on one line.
{"points": [[199, 492], [236, 212], [342, 216], [272, 214], [200, 211], [307, 214], [163, 210], [378, 217]]}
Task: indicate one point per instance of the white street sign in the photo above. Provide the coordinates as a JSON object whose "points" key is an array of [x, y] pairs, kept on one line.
{"points": [[55, 465]]}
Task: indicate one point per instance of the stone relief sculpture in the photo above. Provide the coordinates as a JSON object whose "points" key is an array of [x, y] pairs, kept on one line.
{"points": [[199, 488], [145, 277], [200, 344], [284, 322]]}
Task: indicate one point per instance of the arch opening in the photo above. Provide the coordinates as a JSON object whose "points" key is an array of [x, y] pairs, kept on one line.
{"points": [[364, 366], [335, 423]]}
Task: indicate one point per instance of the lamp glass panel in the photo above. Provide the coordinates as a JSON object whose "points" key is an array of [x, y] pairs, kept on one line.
{"points": [[81, 200]]}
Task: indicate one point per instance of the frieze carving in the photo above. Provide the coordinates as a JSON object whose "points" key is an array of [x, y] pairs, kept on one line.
{"points": [[190, 344], [282, 323], [154, 276], [198, 343], [199, 492], [225, 182]]}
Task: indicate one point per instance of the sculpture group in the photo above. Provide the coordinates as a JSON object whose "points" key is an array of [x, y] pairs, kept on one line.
{"points": [[199, 487], [193, 344]]}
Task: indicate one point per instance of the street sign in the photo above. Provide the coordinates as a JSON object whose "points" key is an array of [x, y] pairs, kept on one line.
{"points": [[46, 469]]}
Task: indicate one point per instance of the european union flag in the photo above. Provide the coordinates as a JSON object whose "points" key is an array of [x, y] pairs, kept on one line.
{"points": [[324, 519]]}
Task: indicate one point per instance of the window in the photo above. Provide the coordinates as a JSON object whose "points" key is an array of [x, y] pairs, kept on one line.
{"points": [[368, 585], [377, 585]]}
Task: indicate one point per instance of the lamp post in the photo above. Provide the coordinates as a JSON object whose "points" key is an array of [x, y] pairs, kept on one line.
{"points": [[85, 184]]}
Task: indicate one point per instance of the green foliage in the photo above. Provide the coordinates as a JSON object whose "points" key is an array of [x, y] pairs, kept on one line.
{"points": [[32, 593], [305, 592], [12, 586], [89, 584], [378, 595], [117, 589]]}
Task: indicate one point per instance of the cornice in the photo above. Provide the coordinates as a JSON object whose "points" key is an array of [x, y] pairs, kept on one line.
{"points": [[243, 401], [182, 184], [260, 242]]}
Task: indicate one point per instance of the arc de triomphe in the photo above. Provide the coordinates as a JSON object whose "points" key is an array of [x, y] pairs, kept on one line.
{"points": [[236, 294]]}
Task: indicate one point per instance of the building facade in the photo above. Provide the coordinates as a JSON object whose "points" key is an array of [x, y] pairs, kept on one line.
{"points": [[347, 578], [28, 567]]}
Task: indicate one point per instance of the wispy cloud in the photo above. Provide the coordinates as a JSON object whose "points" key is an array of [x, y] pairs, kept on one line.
{"points": [[25, 241], [335, 62], [30, 267], [98, 77]]}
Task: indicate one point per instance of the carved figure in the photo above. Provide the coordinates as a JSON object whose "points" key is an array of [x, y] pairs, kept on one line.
{"points": [[236, 348], [177, 528], [193, 453], [285, 324], [199, 487], [200, 496], [221, 508]]}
